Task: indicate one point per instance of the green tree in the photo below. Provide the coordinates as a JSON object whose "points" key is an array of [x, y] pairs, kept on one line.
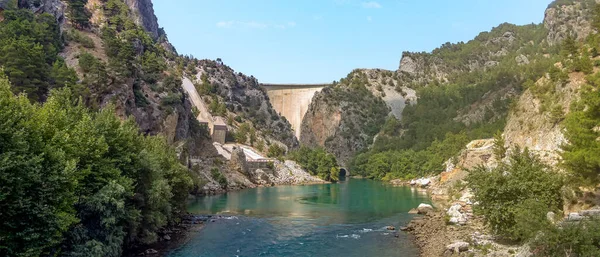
{"points": [[580, 155], [499, 148]]}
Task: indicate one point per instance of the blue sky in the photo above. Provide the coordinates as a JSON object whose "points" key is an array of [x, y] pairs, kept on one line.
{"points": [[314, 41]]}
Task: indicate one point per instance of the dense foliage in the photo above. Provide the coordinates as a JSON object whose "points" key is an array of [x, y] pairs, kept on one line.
{"points": [[317, 162], [81, 183], [569, 239], [515, 196]]}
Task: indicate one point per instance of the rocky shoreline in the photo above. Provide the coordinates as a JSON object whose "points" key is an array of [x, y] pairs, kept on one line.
{"points": [[449, 227]]}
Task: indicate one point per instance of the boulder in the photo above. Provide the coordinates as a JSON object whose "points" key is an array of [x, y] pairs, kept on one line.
{"points": [[522, 60], [413, 211], [424, 208], [574, 216], [551, 216], [167, 238], [390, 228], [458, 247], [151, 251], [456, 217]]}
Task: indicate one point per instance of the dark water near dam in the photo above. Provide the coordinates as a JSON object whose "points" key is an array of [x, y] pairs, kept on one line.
{"points": [[344, 219]]}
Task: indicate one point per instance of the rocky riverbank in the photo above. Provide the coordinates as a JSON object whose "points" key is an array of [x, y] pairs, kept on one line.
{"points": [[451, 229]]}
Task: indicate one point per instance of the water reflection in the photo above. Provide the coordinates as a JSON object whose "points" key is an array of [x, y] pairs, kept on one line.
{"points": [[351, 201]]}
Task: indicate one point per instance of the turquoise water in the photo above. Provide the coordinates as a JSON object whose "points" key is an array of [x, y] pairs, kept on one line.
{"points": [[344, 219]]}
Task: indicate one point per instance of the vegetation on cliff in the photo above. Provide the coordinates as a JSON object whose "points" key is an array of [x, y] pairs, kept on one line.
{"points": [[515, 197], [81, 183], [482, 77], [29, 47]]}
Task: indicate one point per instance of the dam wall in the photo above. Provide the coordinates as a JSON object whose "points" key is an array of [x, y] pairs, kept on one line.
{"points": [[292, 101]]}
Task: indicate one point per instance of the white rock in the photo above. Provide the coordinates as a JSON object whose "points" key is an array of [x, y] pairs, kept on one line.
{"points": [[424, 208], [456, 217], [551, 216], [458, 247], [574, 216]]}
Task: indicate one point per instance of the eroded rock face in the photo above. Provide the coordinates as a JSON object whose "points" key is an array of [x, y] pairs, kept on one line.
{"points": [[54, 7], [532, 125], [572, 19], [144, 15]]}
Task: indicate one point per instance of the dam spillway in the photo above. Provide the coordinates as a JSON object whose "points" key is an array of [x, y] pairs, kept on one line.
{"points": [[292, 101]]}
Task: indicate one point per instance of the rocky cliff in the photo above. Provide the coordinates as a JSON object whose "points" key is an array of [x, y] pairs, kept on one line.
{"points": [[572, 17], [534, 122]]}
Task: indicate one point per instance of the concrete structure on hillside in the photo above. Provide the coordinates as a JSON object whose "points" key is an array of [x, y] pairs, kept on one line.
{"points": [[216, 125], [292, 101], [219, 130]]}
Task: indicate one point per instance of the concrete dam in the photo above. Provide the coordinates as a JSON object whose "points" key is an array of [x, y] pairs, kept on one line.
{"points": [[292, 101]]}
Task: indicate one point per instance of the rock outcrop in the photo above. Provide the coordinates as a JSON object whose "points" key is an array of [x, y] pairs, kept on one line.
{"points": [[143, 12], [532, 125], [572, 19]]}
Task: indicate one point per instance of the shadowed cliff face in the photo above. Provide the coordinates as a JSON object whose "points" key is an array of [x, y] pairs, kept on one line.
{"points": [[292, 102], [144, 15]]}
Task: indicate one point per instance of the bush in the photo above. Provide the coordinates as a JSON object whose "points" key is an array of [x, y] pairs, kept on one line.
{"points": [[569, 239], [514, 197]]}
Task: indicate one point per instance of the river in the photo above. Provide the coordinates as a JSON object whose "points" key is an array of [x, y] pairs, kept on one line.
{"points": [[344, 219]]}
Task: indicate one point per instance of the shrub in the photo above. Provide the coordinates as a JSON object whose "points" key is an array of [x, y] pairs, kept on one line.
{"points": [[570, 239], [514, 197]]}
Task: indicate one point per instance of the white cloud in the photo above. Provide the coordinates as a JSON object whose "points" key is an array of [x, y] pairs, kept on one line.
{"points": [[225, 24], [371, 5], [253, 25]]}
